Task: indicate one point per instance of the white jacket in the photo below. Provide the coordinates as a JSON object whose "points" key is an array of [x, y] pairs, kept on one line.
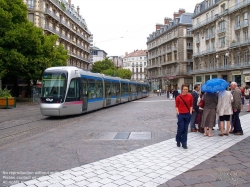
{"points": [[224, 106]]}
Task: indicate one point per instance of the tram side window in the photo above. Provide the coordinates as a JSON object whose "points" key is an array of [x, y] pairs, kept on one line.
{"points": [[124, 88], [113, 89], [92, 89], [108, 89], [99, 88], [73, 91]]}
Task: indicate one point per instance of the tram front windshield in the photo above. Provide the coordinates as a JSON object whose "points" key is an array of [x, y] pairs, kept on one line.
{"points": [[53, 87]]}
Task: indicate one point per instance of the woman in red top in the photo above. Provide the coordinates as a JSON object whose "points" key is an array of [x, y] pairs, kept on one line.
{"points": [[184, 107]]}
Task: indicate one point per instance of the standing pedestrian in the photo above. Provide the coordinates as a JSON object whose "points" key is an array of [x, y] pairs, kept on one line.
{"points": [[167, 93], [195, 111], [247, 93], [184, 106], [209, 113], [236, 105], [224, 110]]}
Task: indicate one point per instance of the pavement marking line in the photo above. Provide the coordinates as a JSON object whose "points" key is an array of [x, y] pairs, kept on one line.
{"points": [[147, 166], [152, 101]]}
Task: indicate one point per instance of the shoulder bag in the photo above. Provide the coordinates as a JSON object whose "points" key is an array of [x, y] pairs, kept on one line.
{"points": [[185, 103]]}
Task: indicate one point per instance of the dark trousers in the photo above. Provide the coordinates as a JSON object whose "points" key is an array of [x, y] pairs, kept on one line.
{"points": [[236, 121], [182, 128], [193, 119]]}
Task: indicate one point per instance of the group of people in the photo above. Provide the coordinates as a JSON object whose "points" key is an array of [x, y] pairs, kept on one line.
{"points": [[173, 93], [203, 107]]}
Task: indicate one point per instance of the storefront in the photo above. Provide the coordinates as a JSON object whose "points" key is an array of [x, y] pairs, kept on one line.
{"points": [[246, 74], [236, 77]]}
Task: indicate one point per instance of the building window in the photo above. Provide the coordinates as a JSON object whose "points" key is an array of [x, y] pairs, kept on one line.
{"points": [[222, 42], [212, 14], [207, 16], [237, 21], [31, 4], [245, 35], [31, 17], [225, 61], [238, 36], [198, 79], [145, 63], [213, 44], [207, 46], [222, 26], [238, 58], [223, 7], [213, 63], [212, 31], [246, 57], [141, 70]]}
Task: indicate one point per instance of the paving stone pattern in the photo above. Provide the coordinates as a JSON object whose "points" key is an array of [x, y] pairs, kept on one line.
{"points": [[208, 161]]}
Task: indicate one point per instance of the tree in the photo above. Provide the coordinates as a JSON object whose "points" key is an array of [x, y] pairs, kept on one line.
{"points": [[102, 65], [110, 72], [124, 73], [25, 52]]}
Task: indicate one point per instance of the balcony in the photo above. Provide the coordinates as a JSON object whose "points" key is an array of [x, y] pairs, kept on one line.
{"points": [[244, 24], [200, 24], [196, 54], [221, 68], [52, 14], [238, 6], [236, 27], [221, 30], [240, 43], [75, 19], [207, 37], [189, 47], [51, 29]]}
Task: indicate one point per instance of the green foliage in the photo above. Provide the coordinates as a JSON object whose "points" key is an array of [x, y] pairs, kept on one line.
{"points": [[110, 72], [102, 65], [124, 73], [25, 52], [5, 93], [63, 6]]}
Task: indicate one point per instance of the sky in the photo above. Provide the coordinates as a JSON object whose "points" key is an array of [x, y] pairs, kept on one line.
{"points": [[120, 26]]}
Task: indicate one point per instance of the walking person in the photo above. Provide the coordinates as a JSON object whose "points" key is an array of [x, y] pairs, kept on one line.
{"points": [[167, 93], [224, 110], [195, 95], [184, 106], [171, 94], [201, 104], [209, 113], [247, 93], [236, 105]]}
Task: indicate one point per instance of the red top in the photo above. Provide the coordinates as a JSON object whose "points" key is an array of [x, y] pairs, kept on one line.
{"points": [[181, 105]]}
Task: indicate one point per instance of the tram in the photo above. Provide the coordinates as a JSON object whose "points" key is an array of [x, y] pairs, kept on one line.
{"points": [[68, 90]]}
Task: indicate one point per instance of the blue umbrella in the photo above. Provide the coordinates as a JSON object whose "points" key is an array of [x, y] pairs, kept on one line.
{"points": [[214, 85]]}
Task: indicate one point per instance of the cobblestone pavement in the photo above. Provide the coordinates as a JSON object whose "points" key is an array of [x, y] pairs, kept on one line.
{"points": [[97, 160]]}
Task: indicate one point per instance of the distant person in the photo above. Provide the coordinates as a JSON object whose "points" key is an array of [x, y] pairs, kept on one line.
{"points": [[184, 105], [167, 93], [209, 113], [195, 95], [160, 92], [175, 93], [236, 105], [224, 110]]}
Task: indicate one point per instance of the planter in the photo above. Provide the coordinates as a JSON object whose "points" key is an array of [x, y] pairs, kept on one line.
{"points": [[9, 102]]}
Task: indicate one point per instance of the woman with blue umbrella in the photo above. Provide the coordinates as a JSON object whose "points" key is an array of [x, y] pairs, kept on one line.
{"points": [[211, 87]]}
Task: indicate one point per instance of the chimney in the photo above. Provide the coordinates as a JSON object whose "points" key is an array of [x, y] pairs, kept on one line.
{"points": [[69, 1], [158, 26], [126, 54], [181, 11], [78, 10], [176, 14], [166, 21]]}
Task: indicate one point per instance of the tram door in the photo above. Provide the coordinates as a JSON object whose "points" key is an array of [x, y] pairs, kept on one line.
{"points": [[84, 95], [108, 93]]}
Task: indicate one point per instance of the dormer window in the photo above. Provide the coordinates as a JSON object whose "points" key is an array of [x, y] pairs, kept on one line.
{"points": [[223, 7], [198, 9]]}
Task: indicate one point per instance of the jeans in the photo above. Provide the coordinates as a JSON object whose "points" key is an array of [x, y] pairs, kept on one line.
{"points": [[236, 121], [182, 128], [193, 118]]}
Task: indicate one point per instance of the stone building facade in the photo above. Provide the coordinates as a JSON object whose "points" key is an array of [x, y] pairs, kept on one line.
{"points": [[61, 17], [221, 41], [170, 50], [136, 61]]}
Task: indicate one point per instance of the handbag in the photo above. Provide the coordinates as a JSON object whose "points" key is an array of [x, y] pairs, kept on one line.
{"points": [[201, 103]]}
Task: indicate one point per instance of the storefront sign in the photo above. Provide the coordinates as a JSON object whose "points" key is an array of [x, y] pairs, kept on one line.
{"points": [[247, 78], [236, 73]]}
